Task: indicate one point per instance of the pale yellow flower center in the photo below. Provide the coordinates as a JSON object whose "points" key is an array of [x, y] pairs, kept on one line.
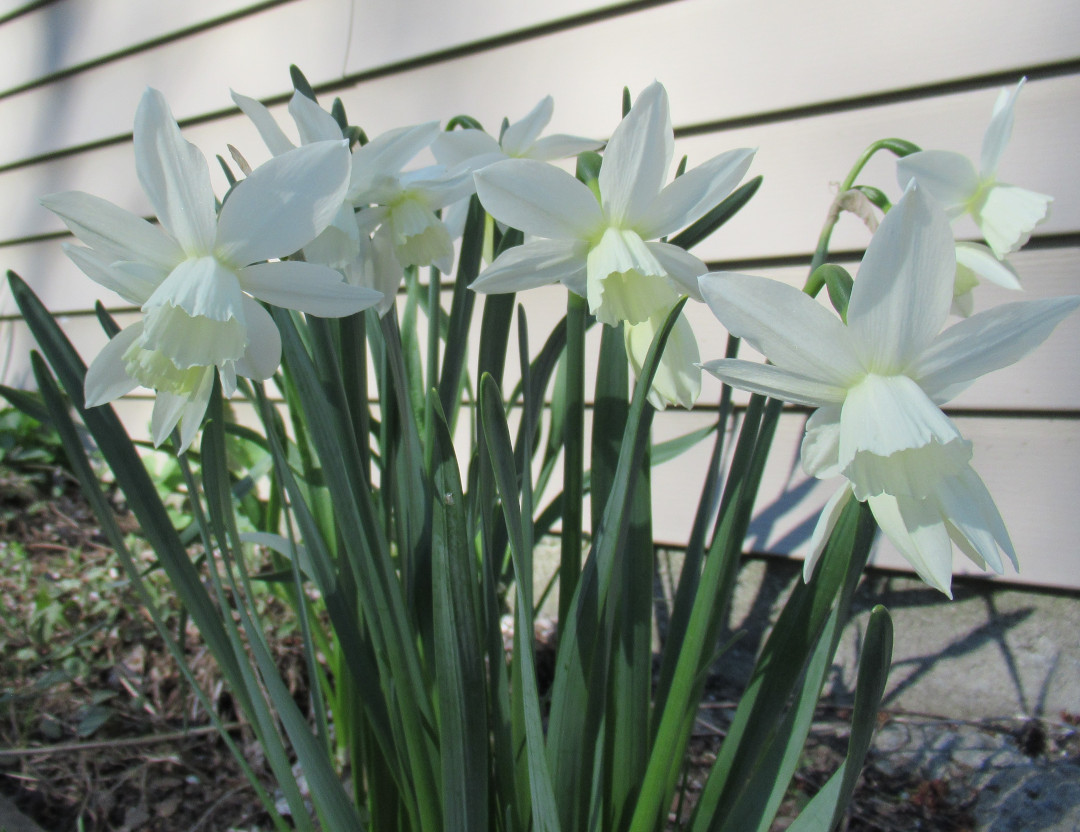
{"points": [[153, 369], [419, 237]]}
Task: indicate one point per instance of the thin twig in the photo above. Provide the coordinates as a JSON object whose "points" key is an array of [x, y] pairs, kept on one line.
{"points": [[153, 739]]}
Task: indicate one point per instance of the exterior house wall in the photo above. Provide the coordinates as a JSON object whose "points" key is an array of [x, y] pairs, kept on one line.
{"points": [[809, 84]]}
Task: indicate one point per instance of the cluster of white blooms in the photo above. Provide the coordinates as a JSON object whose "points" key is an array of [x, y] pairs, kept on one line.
{"points": [[329, 231], [359, 218], [879, 377]]}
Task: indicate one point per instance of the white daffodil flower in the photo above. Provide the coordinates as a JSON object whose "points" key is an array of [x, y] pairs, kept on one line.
{"points": [[521, 140], [878, 383], [601, 249], [397, 206], [197, 274], [402, 204], [1005, 214]]}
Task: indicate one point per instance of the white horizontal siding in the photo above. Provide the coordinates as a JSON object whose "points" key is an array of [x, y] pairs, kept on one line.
{"points": [[66, 35], [719, 60], [327, 39]]}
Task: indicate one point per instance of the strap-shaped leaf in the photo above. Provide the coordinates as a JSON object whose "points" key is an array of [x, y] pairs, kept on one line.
{"points": [[573, 412], [827, 808], [459, 662], [461, 311], [497, 434], [582, 661], [57, 414], [701, 605], [371, 567], [331, 801], [780, 666]]}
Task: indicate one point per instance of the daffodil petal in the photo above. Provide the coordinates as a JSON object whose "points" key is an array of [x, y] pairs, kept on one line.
{"points": [[681, 266], [916, 529], [963, 304], [106, 378], [830, 513], [263, 354], [109, 229], [999, 130], [625, 280], [1007, 216], [132, 288], [948, 177], [985, 264], [419, 237], [438, 187], [339, 242], [368, 219], [460, 146], [272, 135], [561, 146], [520, 135], [693, 194], [306, 287], [637, 157], [196, 316], [387, 154], [678, 377], [537, 263], [202, 287], [168, 408], [313, 122], [820, 451], [539, 199], [378, 269], [787, 326], [884, 415], [774, 381], [227, 373], [902, 295], [191, 415], [970, 509], [174, 174], [284, 205], [454, 217], [989, 341]]}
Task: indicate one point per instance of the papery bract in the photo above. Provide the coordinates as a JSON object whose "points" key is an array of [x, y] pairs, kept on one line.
{"points": [[878, 383]]}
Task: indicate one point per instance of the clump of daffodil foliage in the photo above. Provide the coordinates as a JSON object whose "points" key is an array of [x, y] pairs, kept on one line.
{"points": [[402, 472]]}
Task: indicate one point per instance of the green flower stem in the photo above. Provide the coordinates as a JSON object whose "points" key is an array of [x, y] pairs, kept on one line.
{"points": [[574, 453], [899, 147], [355, 382]]}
